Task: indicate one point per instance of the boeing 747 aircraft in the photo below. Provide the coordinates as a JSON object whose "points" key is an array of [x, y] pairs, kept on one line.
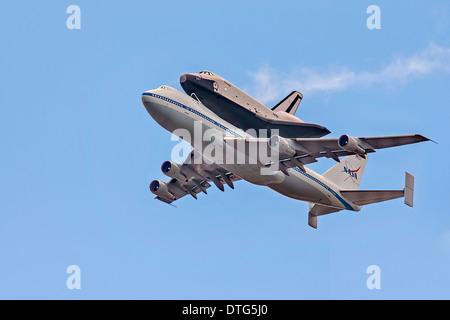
{"points": [[262, 146]]}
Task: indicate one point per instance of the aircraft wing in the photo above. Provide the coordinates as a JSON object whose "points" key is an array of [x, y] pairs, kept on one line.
{"points": [[330, 147], [300, 151], [196, 178]]}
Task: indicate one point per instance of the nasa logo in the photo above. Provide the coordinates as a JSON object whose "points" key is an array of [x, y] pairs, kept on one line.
{"points": [[351, 172]]}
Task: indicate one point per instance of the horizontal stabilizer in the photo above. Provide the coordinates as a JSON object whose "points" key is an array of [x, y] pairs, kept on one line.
{"points": [[363, 197], [316, 210], [312, 220]]}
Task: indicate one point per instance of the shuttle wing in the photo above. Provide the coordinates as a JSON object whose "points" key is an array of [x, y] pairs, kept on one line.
{"points": [[198, 178]]}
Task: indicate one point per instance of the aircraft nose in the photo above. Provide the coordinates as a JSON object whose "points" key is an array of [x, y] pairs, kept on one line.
{"points": [[183, 78], [145, 97]]}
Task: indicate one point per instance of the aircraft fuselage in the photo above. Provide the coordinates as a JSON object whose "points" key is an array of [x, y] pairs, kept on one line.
{"points": [[174, 110]]}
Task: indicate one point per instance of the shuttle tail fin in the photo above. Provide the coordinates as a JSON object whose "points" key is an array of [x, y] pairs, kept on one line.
{"points": [[347, 174], [290, 103]]}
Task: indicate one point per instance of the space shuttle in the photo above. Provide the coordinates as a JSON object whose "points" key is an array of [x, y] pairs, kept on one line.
{"points": [[240, 109]]}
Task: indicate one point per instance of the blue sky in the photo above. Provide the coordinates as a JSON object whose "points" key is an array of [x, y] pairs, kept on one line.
{"points": [[79, 150]]}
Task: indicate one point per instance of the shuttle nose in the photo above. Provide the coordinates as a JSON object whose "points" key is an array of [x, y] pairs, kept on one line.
{"points": [[188, 82], [187, 77]]}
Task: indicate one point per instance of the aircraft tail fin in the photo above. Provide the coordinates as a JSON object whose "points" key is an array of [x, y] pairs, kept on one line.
{"points": [[347, 173], [290, 103]]}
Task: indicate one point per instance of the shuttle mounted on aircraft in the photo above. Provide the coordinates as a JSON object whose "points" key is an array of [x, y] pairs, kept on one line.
{"points": [[269, 147]]}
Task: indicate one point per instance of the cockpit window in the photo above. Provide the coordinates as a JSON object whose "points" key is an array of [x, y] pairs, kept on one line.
{"points": [[207, 73]]}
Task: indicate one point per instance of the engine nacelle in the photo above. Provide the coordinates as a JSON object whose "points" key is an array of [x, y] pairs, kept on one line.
{"points": [[281, 145], [350, 144], [173, 170], [160, 189]]}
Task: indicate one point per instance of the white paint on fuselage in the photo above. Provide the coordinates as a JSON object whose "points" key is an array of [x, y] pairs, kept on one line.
{"points": [[173, 110]]}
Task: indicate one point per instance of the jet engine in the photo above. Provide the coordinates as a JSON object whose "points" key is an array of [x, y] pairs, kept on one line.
{"points": [[173, 170], [277, 142], [160, 189], [350, 144]]}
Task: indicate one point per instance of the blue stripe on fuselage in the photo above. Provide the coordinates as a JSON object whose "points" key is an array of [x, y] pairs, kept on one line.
{"points": [[345, 203], [178, 104]]}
